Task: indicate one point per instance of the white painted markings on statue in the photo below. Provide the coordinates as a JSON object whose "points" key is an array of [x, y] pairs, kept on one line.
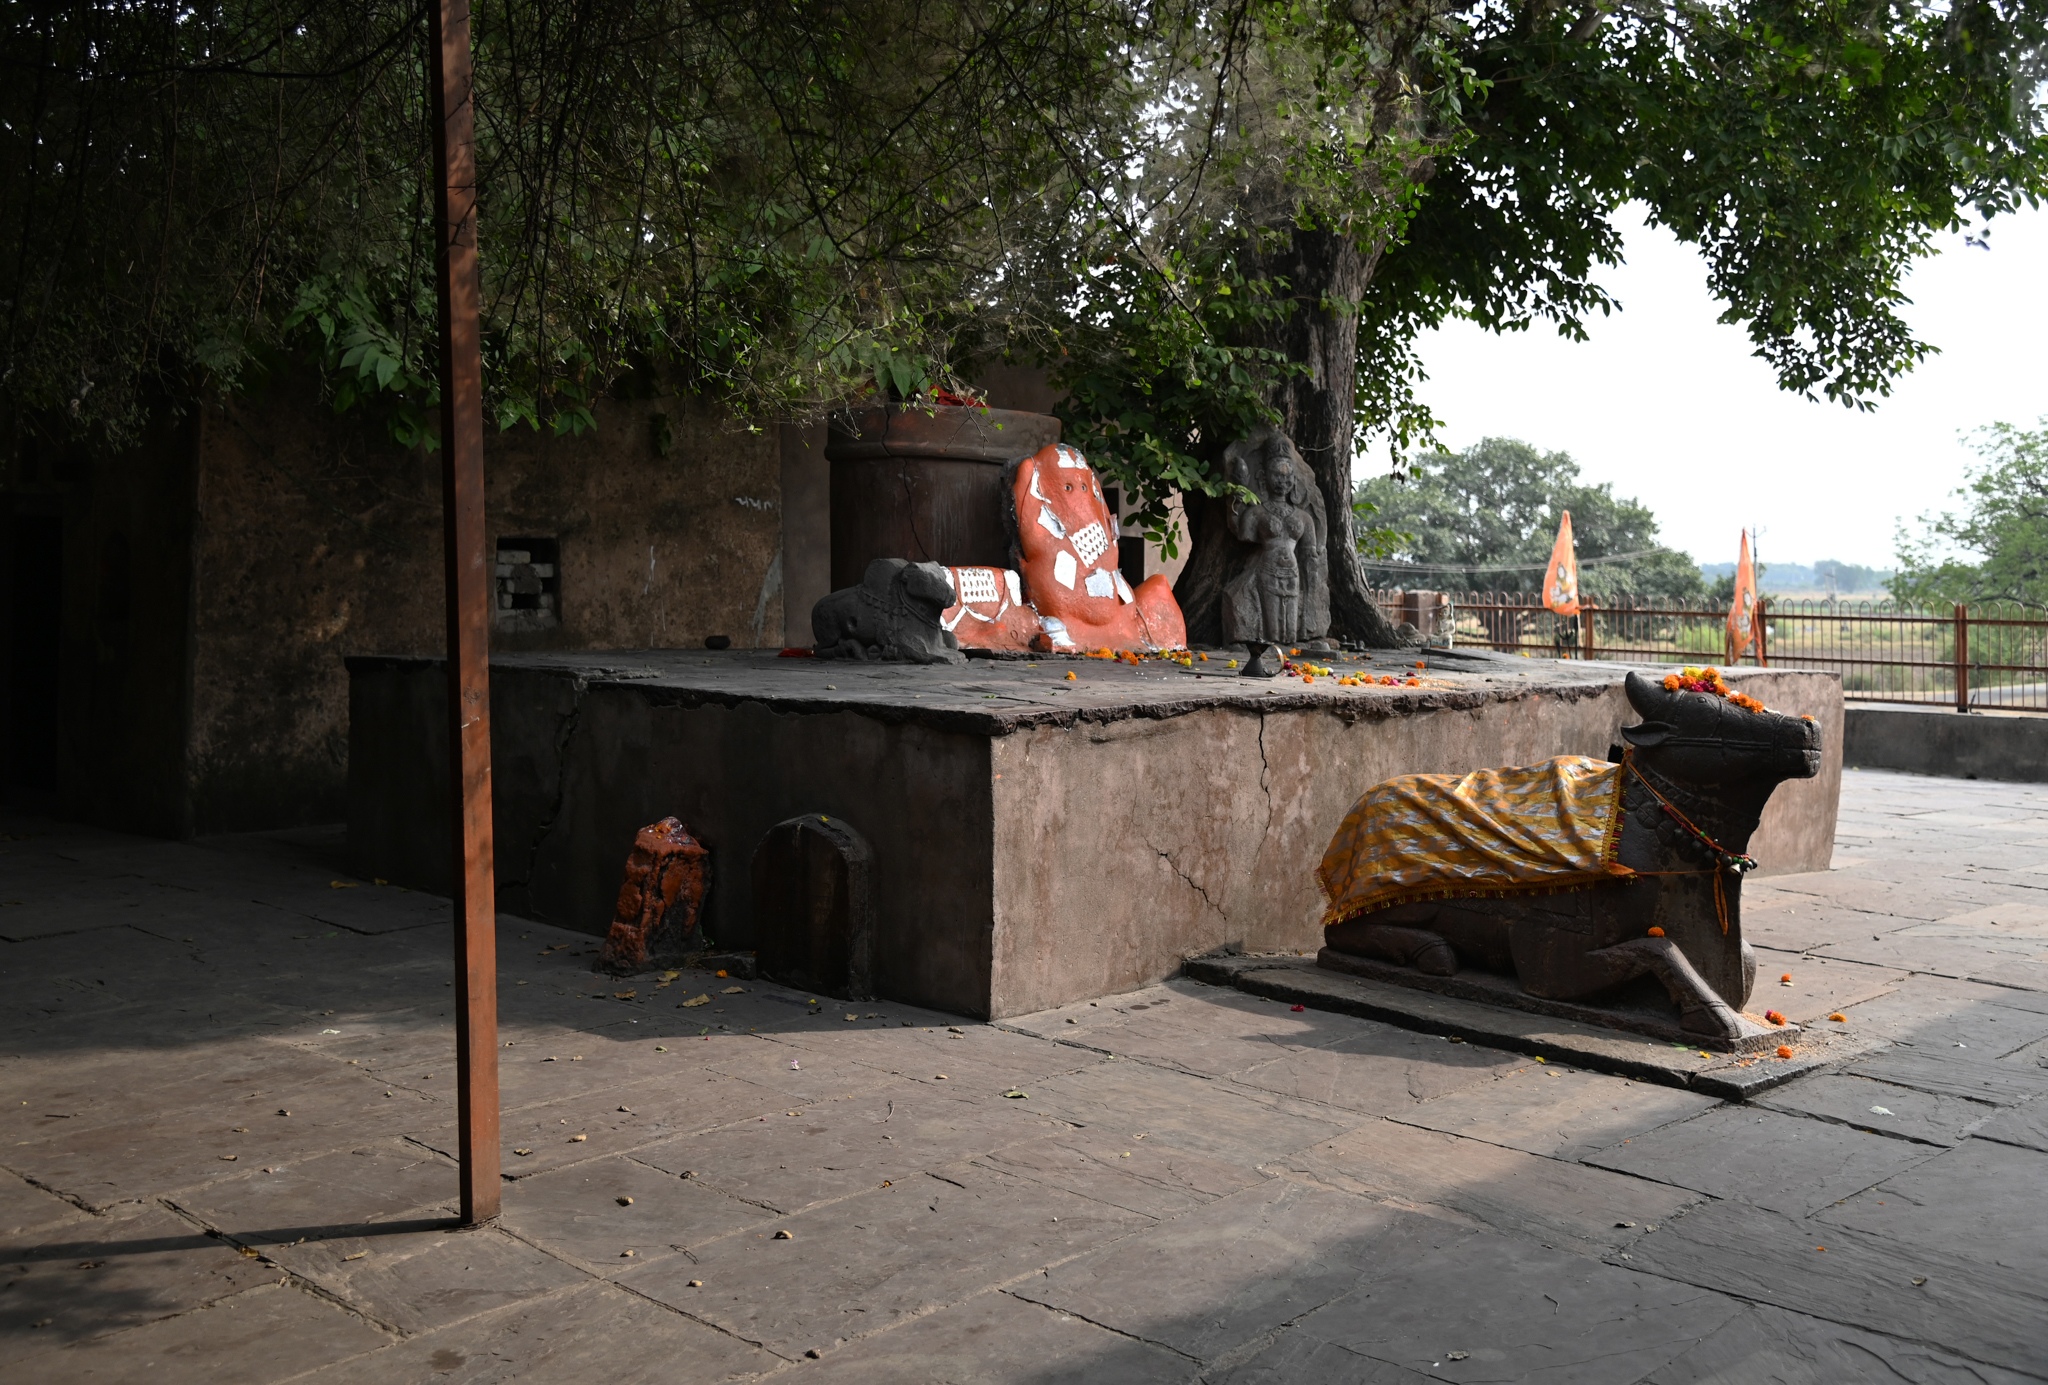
{"points": [[1091, 543], [979, 584], [1099, 583], [1063, 565]]}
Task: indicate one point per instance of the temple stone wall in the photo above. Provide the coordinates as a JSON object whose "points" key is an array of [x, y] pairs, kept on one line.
{"points": [[123, 705], [317, 537], [206, 584]]}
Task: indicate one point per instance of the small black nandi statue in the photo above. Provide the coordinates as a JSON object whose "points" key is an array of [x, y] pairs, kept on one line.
{"points": [[1579, 875], [893, 614]]}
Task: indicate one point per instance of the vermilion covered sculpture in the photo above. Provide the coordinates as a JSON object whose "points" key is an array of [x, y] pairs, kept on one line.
{"points": [[989, 610], [655, 923], [1064, 549]]}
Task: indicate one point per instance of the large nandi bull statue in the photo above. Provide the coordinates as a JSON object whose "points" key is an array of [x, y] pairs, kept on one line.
{"points": [[1580, 875]]}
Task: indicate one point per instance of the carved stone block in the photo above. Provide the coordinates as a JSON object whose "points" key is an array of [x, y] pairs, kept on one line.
{"points": [[814, 922], [660, 901]]}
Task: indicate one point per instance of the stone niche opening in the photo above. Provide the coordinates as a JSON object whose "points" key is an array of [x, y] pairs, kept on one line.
{"points": [[529, 584]]}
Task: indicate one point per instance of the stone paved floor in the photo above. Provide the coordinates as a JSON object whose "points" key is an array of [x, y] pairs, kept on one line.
{"points": [[227, 1082]]}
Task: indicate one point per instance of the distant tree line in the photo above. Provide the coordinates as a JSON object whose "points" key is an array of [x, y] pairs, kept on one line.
{"points": [[1829, 574], [1485, 519], [1996, 546]]}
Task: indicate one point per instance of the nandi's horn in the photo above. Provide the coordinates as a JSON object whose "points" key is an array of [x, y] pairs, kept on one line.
{"points": [[1648, 698]]}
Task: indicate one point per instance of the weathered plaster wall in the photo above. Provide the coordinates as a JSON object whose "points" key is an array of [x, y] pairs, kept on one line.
{"points": [[317, 537], [1163, 840], [806, 527]]}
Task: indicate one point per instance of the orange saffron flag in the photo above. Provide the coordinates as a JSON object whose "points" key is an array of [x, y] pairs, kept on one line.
{"points": [[1561, 582], [1742, 611]]}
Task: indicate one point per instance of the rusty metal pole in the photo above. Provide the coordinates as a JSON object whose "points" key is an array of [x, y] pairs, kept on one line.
{"points": [[1962, 657], [469, 607]]}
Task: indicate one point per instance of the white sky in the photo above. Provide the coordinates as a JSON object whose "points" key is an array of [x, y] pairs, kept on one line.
{"points": [[1670, 406]]}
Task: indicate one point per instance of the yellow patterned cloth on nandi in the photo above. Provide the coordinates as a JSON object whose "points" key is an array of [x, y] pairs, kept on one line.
{"points": [[1553, 826]]}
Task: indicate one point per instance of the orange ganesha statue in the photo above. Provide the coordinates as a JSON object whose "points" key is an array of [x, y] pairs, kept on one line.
{"points": [[1063, 545]]}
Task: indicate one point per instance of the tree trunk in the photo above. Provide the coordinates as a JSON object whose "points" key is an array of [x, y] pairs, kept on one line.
{"points": [[1318, 411], [1199, 589]]}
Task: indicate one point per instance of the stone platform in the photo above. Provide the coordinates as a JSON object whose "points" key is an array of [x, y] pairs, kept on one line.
{"points": [[1498, 1018], [1037, 839], [1640, 1008]]}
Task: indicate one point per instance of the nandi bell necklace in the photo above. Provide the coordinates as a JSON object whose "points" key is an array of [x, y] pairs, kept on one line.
{"points": [[1733, 862]]}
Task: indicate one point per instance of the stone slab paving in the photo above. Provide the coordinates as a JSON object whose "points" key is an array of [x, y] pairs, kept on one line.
{"points": [[226, 1087]]}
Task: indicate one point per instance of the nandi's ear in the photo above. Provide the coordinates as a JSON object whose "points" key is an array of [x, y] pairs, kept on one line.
{"points": [[1647, 733]]}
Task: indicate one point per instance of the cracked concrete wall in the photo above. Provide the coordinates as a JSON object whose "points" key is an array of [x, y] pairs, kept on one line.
{"points": [[1124, 849], [317, 537]]}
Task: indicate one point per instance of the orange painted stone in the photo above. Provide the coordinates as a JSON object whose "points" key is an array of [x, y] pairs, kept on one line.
{"points": [[990, 612], [655, 921], [1067, 558]]}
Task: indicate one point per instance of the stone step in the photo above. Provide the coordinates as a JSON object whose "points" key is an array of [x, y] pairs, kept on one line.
{"points": [[1731, 1076]]}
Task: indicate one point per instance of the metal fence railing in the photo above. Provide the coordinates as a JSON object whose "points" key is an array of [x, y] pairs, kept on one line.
{"points": [[1992, 655]]}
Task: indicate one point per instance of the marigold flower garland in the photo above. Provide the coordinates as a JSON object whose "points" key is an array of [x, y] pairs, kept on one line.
{"points": [[1306, 670], [1709, 681]]}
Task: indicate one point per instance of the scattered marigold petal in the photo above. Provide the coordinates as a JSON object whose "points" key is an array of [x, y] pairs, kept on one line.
{"points": [[1784, 1050], [1774, 1017], [1786, 977], [1839, 1018], [1070, 677], [1656, 932]]}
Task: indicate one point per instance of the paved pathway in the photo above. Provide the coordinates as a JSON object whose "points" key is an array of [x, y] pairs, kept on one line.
{"points": [[227, 1081]]}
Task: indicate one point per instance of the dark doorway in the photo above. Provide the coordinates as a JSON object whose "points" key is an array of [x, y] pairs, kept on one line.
{"points": [[33, 617]]}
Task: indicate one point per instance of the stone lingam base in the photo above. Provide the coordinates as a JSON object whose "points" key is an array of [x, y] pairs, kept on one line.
{"points": [[1037, 838]]}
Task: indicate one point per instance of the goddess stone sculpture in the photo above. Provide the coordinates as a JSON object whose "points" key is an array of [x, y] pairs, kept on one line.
{"points": [[1281, 593]]}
